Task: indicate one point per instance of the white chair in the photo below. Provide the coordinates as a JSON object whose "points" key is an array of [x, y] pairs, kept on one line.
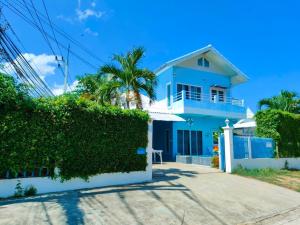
{"points": [[159, 153]]}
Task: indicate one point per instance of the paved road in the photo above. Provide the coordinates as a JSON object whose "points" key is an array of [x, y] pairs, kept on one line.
{"points": [[180, 194]]}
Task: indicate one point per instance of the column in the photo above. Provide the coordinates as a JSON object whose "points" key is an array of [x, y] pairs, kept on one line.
{"points": [[149, 149], [228, 144]]}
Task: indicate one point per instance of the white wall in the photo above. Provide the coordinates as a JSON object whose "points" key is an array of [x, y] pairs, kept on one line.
{"points": [[45, 184], [293, 163]]}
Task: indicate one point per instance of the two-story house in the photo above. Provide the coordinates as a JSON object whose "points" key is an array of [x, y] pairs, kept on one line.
{"points": [[193, 100]]}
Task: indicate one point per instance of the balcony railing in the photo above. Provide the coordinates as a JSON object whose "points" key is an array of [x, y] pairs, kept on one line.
{"points": [[217, 99]]}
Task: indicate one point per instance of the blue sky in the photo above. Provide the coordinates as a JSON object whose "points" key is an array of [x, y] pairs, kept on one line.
{"points": [[259, 37]]}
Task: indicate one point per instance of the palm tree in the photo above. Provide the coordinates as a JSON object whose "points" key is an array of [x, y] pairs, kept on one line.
{"points": [[130, 78], [286, 101], [99, 88]]}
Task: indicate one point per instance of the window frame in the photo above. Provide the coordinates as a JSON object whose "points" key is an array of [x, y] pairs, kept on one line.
{"points": [[218, 89], [169, 101], [203, 62], [190, 91]]}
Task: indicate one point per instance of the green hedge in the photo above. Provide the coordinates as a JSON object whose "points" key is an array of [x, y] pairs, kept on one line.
{"points": [[77, 136], [283, 127]]}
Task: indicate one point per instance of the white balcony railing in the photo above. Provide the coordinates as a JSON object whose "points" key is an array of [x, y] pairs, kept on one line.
{"points": [[217, 99]]}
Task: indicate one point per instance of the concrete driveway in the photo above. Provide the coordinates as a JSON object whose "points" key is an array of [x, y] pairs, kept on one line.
{"points": [[179, 194]]}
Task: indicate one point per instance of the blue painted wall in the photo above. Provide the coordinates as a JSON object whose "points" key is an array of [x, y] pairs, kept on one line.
{"points": [[162, 80], [207, 125], [200, 78]]}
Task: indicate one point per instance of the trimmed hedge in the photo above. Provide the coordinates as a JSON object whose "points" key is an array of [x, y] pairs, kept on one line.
{"points": [[77, 136], [283, 127]]}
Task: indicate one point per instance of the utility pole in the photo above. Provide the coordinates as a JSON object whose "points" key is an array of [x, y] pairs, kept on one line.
{"points": [[65, 64]]}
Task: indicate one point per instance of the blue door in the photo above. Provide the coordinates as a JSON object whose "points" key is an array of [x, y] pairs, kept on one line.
{"points": [[162, 138]]}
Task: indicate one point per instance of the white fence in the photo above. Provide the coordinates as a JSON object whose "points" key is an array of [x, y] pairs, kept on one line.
{"points": [[274, 163], [232, 162], [46, 184]]}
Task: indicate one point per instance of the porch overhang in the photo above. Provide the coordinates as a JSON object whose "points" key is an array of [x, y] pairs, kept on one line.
{"points": [[165, 117]]}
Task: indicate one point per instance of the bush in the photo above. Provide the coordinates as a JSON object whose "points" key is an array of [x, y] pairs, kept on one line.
{"points": [[77, 136], [215, 161], [283, 127], [19, 190], [30, 191]]}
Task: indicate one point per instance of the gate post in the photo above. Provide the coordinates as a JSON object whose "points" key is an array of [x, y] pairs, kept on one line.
{"points": [[228, 144], [149, 149]]}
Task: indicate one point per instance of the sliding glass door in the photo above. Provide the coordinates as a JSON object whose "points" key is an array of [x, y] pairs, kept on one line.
{"points": [[189, 142]]}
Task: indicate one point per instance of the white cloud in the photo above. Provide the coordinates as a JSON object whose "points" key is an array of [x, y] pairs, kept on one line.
{"points": [[58, 89], [43, 64], [90, 32], [85, 14]]}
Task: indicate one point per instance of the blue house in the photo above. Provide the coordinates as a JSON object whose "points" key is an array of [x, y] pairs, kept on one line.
{"points": [[193, 100]]}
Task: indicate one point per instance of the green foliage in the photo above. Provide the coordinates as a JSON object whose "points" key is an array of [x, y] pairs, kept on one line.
{"points": [[215, 161], [283, 127], [75, 135], [30, 191], [286, 101], [19, 190], [130, 78], [99, 88], [11, 93]]}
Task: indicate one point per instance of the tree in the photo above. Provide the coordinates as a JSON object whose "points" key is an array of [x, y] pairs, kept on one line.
{"points": [[130, 78], [99, 88], [285, 101]]}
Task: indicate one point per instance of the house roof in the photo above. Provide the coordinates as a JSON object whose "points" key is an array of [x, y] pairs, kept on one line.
{"points": [[165, 117], [245, 123], [237, 75]]}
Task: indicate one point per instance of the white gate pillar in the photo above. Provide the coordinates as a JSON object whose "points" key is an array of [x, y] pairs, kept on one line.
{"points": [[149, 149], [228, 144]]}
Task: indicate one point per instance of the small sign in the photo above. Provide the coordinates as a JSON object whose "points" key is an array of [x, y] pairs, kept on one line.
{"points": [[269, 145], [141, 151]]}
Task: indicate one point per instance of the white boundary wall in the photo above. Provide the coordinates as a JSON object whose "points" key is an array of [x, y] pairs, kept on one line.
{"points": [[274, 163], [250, 163], [46, 184]]}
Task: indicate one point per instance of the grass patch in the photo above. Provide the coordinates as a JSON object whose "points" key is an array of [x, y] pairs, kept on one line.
{"points": [[284, 177]]}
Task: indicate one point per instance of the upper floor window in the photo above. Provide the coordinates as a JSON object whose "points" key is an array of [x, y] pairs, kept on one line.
{"points": [[191, 92], [217, 94], [169, 94], [203, 62]]}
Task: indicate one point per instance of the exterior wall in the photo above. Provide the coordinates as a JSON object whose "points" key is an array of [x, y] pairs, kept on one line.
{"points": [[293, 163], [207, 125], [163, 79], [46, 185], [200, 78]]}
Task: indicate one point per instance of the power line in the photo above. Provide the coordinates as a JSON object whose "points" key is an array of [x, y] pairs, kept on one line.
{"points": [[51, 26], [26, 19], [39, 26], [21, 66], [67, 36]]}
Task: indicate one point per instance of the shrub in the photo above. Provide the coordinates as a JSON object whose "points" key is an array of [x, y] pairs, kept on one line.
{"points": [[215, 161], [283, 127], [30, 191], [77, 136], [19, 190]]}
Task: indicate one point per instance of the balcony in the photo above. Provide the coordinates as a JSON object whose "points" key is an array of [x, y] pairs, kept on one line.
{"points": [[197, 103]]}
